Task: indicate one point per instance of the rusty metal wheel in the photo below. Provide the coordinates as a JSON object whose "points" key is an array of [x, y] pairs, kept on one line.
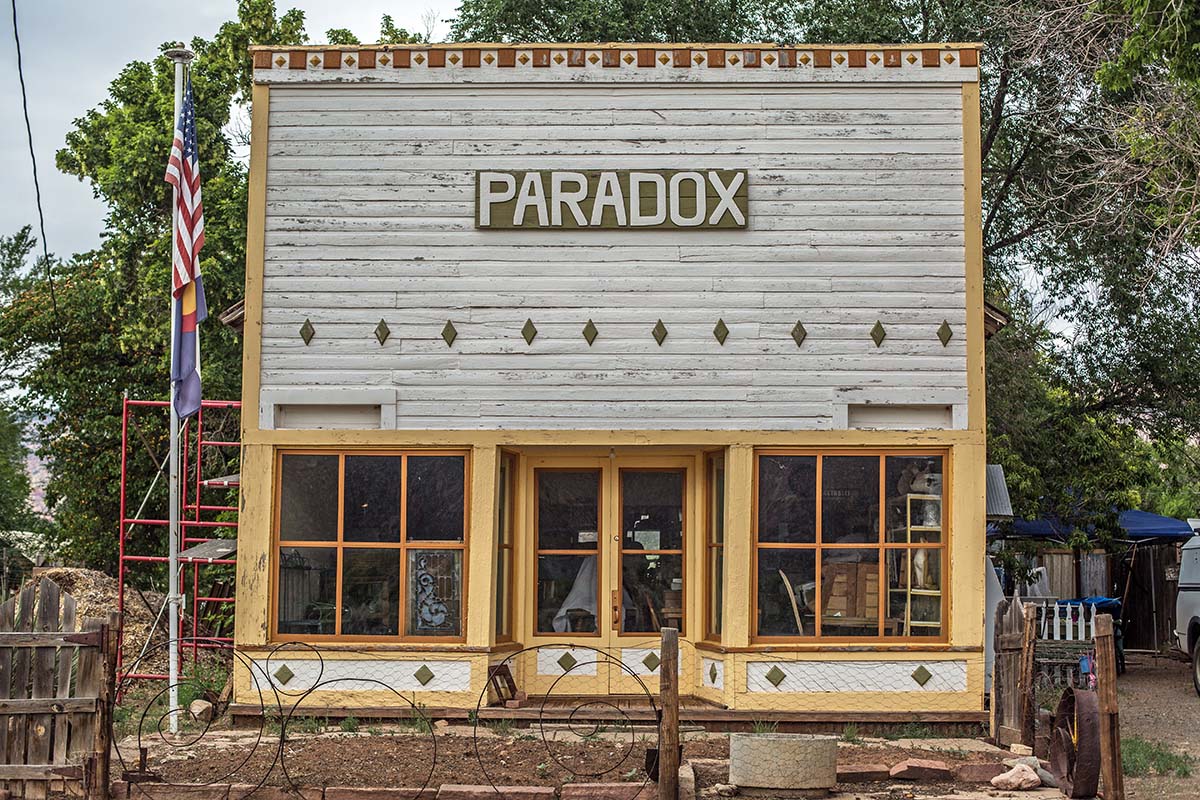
{"points": [[1075, 743]]}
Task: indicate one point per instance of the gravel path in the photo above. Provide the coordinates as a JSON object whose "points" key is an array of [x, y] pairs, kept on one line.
{"points": [[1159, 704]]}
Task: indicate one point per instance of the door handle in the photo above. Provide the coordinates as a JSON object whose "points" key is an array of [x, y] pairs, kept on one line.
{"points": [[616, 611]]}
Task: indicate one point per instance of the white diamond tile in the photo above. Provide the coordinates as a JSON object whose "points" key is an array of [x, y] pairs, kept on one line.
{"points": [[706, 672], [348, 675], [547, 660], [856, 676]]}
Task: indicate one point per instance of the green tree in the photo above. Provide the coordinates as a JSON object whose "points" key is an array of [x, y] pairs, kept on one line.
{"points": [[15, 514], [110, 334]]}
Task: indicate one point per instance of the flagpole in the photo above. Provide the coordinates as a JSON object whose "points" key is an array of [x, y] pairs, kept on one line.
{"points": [[181, 57]]}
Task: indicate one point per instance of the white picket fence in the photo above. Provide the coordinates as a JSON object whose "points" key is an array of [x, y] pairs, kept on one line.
{"points": [[1067, 622]]}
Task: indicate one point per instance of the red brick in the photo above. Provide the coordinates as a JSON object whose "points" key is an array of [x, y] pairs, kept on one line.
{"points": [[979, 773], [456, 791], [250, 791], [609, 791], [921, 769], [165, 791], [359, 793], [862, 773]]}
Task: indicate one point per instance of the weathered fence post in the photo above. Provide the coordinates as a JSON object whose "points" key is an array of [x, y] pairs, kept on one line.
{"points": [[1025, 685], [1110, 725], [668, 732]]}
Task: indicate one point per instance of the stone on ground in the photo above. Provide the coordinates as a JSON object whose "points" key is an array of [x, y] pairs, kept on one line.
{"points": [[1019, 778], [921, 769], [862, 773]]}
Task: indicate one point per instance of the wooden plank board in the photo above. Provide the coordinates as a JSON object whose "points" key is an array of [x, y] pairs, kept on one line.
{"points": [[87, 684], [7, 619], [18, 725], [66, 661], [41, 726]]}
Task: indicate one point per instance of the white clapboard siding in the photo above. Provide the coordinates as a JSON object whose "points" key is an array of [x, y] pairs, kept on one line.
{"points": [[856, 216]]}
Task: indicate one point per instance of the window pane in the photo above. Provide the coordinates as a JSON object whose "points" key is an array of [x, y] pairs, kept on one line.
{"points": [[434, 593], [716, 596], [914, 486], [914, 592], [307, 590], [372, 512], [568, 510], [652, 592], [849, 499], [716, 511], [502, 628], [308, 499], [787, 499], [787, 592], [652, 509], [370, 592], [436, 497], [566, 594], [850, 592], [503, 536]]}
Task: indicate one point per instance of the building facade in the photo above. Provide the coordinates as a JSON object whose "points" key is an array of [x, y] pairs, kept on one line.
{"points": [[550, 346]]}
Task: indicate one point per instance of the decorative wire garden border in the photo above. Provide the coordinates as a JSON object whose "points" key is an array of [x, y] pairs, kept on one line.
{"points": [[599, 657], [155, 718]]}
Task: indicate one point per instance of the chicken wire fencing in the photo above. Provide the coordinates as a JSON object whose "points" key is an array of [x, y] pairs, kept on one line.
{"points": [[291, 687]]}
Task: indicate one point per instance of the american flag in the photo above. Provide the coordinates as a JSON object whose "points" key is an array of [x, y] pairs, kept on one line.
{"points": [[183, 173]]}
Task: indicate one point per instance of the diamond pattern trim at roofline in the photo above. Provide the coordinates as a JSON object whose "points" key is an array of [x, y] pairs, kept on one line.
{"points": [[663, 56]]}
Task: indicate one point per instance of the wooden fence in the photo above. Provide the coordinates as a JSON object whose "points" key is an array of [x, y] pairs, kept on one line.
{"points": [[56, 688]]}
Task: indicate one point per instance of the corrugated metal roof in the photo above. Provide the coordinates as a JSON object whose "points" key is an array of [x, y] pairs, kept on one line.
{"points": [[999, 505]]}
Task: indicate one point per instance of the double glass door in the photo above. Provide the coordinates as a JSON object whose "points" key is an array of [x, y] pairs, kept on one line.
{"points": [[610, 539]]}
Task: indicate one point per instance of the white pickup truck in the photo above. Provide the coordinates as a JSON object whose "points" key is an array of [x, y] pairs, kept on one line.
{"points": [[1187, 606]]}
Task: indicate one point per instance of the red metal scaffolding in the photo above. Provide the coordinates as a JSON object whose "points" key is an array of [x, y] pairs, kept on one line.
{"points": [[196, 522]]}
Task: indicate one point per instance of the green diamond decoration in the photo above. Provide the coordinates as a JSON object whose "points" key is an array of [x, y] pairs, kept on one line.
{"points": [[567, 662], [590, 333], [922, 675], [712, 674], [449, 333], [878, 333], [382, 331], [776, 676], [660, 332], [307, 332], [721, 331], [945, 332], [652, 661], [529, 331], [283, 675], [799, 333], [424, 675]]}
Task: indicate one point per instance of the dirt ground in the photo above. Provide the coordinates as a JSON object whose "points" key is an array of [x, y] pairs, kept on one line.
{"points": [[397, 756], [1158, 703]]}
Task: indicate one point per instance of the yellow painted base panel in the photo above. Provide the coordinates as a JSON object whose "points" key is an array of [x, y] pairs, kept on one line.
{"points": [[823, 682]]}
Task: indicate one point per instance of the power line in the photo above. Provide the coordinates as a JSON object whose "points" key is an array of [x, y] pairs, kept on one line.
{"points": [[37, 188]]}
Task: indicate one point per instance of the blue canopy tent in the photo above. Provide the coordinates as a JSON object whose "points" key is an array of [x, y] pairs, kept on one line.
{"points": [[1136, 526], [1145, 593]]}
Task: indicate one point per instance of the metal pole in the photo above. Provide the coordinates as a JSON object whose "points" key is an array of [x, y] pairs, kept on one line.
{"points": [[181, 56]]}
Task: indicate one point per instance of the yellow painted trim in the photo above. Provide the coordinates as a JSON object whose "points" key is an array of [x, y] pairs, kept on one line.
{"points": [[481, 550], [973, 245], [256, 227], [738, 596], [603, 440], [251, 617]]}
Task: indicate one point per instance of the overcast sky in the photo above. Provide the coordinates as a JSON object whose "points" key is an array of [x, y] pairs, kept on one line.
{"points": [[72, 49]]}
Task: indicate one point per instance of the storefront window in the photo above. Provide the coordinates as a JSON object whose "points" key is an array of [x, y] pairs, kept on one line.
{"points": [[382, 521], [505, 508], [715, 536], [849, 545]]}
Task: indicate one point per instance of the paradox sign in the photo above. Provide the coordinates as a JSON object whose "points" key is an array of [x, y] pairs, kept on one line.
{"points": [[607, 199]]}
